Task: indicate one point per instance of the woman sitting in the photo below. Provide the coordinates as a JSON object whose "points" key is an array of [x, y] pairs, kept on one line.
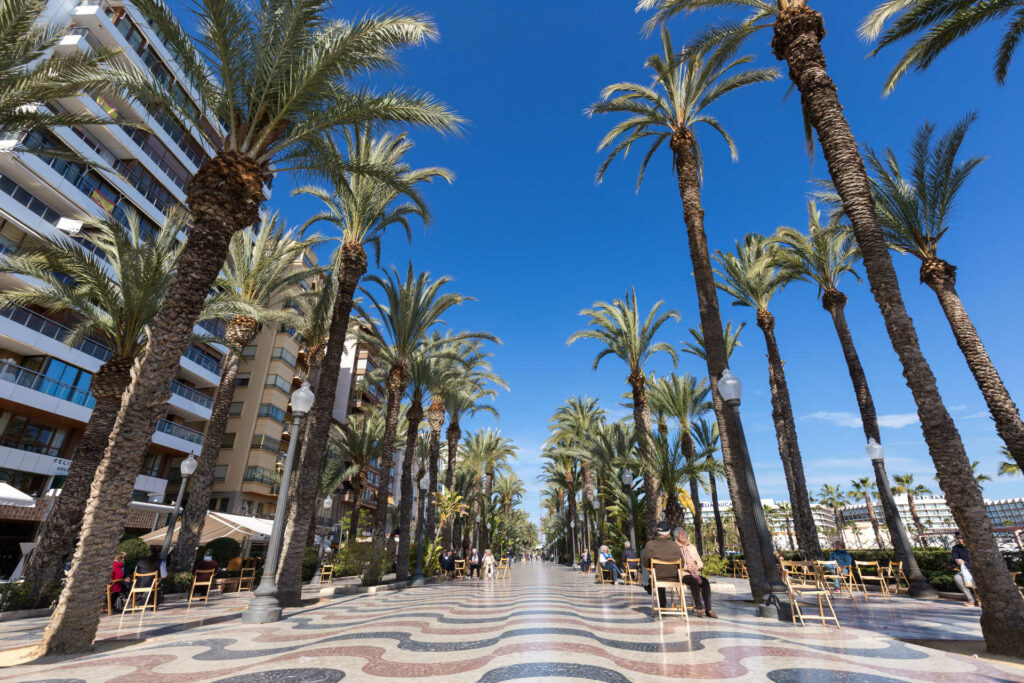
{"points": [[606, 560]]}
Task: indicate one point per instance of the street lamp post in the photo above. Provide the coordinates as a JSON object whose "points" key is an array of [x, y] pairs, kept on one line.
{"points": [[264, 607], [627, 481], [731, 389], [478, 518], [573, 525], [919, 586], [597, 516], [324, 542], [417, 578], [188, 468], [583, 529]]}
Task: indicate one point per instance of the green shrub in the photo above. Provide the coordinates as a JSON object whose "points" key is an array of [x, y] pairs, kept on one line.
{"points": [[134, 549], [431, 558], [178, 583], [310, 563], [223, 549], [943, 582], [15, 596], [717, 566]]}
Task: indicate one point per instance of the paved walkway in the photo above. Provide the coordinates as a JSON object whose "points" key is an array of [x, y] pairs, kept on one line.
{"points": [[547, 622]]}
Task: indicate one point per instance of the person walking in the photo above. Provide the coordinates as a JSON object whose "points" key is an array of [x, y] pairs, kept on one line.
{"points": [[700, 587], [964, 578]]}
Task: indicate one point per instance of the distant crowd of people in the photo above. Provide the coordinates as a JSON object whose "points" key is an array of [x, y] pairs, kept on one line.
{"points": [[481, 565]]}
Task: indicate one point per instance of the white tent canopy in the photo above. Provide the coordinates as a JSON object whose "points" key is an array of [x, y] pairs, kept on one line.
{"points": [[12, 496], [220, 525]]}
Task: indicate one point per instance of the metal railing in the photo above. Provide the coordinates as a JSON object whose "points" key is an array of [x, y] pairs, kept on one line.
{"points": [[190, 394], [215, 327], [30, 379], [54, 330], [179, 431], [205, 360]]}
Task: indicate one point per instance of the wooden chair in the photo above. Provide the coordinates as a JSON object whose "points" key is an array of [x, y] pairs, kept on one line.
{"points": [[803, 581], [632, 573], [829, 574], [460, 569], [110, 597], [504, 571], [894, 573], [602, 573], [670, 587], [327, 574], [149, 591], [246, 579], [203, 579], [739, 569], [878, 577]]}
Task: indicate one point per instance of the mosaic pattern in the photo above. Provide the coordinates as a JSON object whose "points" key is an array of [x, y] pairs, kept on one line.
{"points": [[547, 622]]}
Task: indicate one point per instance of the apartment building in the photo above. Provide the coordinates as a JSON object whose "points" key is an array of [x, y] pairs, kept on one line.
{"points": [[44, 382]]}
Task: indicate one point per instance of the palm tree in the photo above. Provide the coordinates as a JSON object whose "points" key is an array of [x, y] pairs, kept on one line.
{"points": [[571, 427], [262, 271], [797, 34], [685, 84], [609, 448], [510, 490], [915, 212], [752, 279], [979, 477], [618, 326], [940, 23], [834, 498], [863, 488], [671, 468], [407, 310], [784, 511], [462, 398], [905, 484], [697, 348], [488, 451], [358, 443], [118, 278], [276, 79], [1008, 468], [705, 437], [31, 74], [373, 188]]}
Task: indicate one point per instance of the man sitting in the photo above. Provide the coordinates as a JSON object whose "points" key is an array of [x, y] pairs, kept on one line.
{"points": [[699, 585], [474, 563], [843, 561], [663, 549]]}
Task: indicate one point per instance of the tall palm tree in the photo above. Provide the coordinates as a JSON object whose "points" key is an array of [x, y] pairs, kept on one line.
{"points": [[915, 211], [697, 348], [571, 426], [706, 440], [262, 272], [407, 309], [752, 279], [276, 79], [510, 490], [863, 488], [833, 497], [32, 74], [672, 469], [358, 442], [979, 477], [1008, 468], [619, 328], [940, 23], [784, 511], [905, 485], [488, 451], [797, 34], [373, 189], [685, 399], [673, 107], [118, 279]]}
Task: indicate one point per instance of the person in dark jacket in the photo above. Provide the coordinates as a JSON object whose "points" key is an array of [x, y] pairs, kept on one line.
{"points": [[664, 549], [960, 560]]}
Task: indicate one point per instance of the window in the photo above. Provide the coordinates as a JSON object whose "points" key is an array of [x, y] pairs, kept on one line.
{"points": [[228, 441], [236, 408], [266, 443], [242, 379], [34, 437], [271, 411], [279, 383], [368, 494], [249, 352], [151, 465], [284, 355], [220, 472]]}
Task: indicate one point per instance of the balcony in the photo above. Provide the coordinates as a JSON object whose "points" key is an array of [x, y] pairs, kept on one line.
{"points": [[190, 394], [201, 368], [215, 327], [188, 403], [54, 330], [30, 388], [177, 437]]}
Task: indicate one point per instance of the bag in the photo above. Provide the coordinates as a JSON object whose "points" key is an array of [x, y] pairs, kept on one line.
{"points": [[966, 575]]}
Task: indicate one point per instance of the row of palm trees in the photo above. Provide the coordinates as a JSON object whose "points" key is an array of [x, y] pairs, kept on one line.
{"points": [[685, 84]]}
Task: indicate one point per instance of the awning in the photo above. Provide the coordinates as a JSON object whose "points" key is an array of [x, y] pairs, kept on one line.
{"points": [[221, 524], [12, 496]]}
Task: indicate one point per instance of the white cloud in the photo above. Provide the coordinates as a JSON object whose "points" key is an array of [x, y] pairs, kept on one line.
{"points": [[976, 416], [852, 420]]}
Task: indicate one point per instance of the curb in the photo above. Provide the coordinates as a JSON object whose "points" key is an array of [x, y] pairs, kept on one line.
{"points": [[338, 591]]}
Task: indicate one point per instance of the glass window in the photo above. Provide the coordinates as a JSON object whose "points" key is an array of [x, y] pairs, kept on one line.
{"points": [[279, 383], [228, 441], [236, 408], [242, 379], [249, 351], [284, 355], [271, 411]]}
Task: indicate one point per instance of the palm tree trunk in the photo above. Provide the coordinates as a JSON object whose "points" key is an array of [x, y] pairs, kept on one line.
{"points": [[304, 486], [240, 331], [789, 449], [645, 451], [789, 534], [719, 527], [58, 534], [797, 40], [917, 519], [453, 435], [398, 380], [690, 453], [874, 521], [488, 493], [414, 416], [688, 176], [941, 277], [435, 418], [353, 525], [224, 196]]}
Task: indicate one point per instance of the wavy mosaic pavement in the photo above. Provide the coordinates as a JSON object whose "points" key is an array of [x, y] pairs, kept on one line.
{"points": [[546, 623]]}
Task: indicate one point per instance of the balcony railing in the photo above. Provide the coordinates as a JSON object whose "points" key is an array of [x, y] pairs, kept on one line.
{"points": [[31, 379], [54, 330], [190, 394], [215, 327], [180, 431], [203, 359], [261, 475]]}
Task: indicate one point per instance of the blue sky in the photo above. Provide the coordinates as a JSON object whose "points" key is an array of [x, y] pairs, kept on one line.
{"points": [[525, 230]]}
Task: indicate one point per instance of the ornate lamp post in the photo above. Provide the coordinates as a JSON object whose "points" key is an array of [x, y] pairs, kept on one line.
{"points": [[477, 544], [573, 525], [188, 468], [583, 529], [627, 481], [919, 586], [417, 578], [731, 389], [264, 607]]}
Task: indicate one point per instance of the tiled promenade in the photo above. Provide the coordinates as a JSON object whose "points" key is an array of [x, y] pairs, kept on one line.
{"points": [[546, 623]]}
